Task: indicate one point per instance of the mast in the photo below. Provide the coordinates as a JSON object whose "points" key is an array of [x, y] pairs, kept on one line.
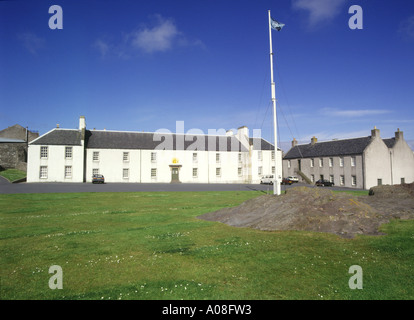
{"points": [[276, 181]]}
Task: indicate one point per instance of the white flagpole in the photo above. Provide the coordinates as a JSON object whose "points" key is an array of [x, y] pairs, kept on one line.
{"points": [[276, 182]]}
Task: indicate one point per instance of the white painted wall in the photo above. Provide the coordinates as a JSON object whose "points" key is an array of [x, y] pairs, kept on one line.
{"points": [[402, 162], [377, 163], [55, 164]]}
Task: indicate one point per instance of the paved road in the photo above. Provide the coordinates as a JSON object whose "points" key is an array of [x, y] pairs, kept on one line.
{"points": [[50, 187]]}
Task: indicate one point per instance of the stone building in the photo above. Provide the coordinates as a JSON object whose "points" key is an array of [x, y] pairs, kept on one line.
{"points": [[74, 155], [357, 163], [13, 147]]}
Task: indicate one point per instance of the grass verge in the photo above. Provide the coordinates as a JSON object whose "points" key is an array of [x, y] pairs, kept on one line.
{"points": [[13, 174], [151, 246]]}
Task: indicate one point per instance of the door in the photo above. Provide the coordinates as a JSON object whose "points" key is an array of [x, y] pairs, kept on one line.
{"points": [[174, 175]]}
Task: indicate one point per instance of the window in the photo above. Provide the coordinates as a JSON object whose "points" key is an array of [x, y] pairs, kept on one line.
{"points": [[153, 157], [312, 177], [153, 173], [43, 172], [312, 162], [259, 155], [195, 172], [217, 157], [353, 161], [218, 172], [273, 170], [68, 152], [379, 182], [321, 177], [240, 157], [43, 152], [239, 171], [320, 162], [402, 180], [125, 173], [353, 180], [288, 163], [342, 180], [125, 156], [331, 178], [341, 161], [95, 171], [95, 156], [331, 162], [68, 172], [273, 155], [259, 171], [195, 159]]}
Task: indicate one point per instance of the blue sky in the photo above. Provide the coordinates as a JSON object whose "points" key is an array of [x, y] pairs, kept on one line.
{"points": [[143, 65]]}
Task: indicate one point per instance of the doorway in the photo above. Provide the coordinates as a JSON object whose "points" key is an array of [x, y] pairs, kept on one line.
{"points": [[175, 173]]}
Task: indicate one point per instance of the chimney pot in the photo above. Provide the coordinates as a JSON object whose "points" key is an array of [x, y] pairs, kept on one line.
{"points": [[375, 133], [399, 134], [314, 140]]}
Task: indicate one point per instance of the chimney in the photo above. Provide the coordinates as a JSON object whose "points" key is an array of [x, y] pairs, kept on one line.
{"points": [[294, 142], [314, 140], [57, 125], [375, 133], [229, 133], [243, 136], [399, 135], [82, 126], [82, 123]]}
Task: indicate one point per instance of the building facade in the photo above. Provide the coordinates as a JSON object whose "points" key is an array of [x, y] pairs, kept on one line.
{"points": [[356, 163], [75, 155]]}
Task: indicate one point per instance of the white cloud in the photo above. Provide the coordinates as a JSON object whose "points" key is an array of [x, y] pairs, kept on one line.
{"points": [[352, 113], [102, 47], [161, 37], [319, 10], [31, 42]]}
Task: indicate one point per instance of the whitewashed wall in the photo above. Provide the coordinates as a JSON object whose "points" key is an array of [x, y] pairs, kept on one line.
{"points": [[55, 164]]}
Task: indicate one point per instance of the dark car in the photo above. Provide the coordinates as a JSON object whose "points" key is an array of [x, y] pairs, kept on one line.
{"points": [[324, 183], [287, 181], [98, 178]]}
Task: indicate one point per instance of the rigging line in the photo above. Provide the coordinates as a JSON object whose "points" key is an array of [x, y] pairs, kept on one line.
{"points": [[287, 100], [261, 96], [264, 118], [281, 110]]}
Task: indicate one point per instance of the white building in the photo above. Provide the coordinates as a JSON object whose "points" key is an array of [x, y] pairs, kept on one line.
{"points": [[362, 162], [74, 155]]}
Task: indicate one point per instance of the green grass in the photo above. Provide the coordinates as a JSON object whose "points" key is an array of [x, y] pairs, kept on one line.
{"points": [[152, 246], [13, 174]]}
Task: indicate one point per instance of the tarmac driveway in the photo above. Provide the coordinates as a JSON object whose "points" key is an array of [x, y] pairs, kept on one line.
{"points": [[55, 187]]}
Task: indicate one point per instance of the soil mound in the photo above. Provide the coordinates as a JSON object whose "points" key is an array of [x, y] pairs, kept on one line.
{"points": [[400, 190], [313, 209]]}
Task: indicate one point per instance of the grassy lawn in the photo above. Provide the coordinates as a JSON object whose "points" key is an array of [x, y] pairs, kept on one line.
{"points": [[13, 174], [151, 246]]}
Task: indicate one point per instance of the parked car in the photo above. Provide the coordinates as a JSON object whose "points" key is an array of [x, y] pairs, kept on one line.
{"points": [[98, 178], [287, 181], [293, 178], [324, 183], [267, 179]]}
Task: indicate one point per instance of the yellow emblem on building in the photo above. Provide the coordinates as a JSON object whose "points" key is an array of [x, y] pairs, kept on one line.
{"points": [[175, 160]]}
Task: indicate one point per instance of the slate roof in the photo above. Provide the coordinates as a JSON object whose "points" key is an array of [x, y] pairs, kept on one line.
{"points": [[389, 142], [329, 148], [98, 139], [151, 141], [67, 137], [265, 145]]}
